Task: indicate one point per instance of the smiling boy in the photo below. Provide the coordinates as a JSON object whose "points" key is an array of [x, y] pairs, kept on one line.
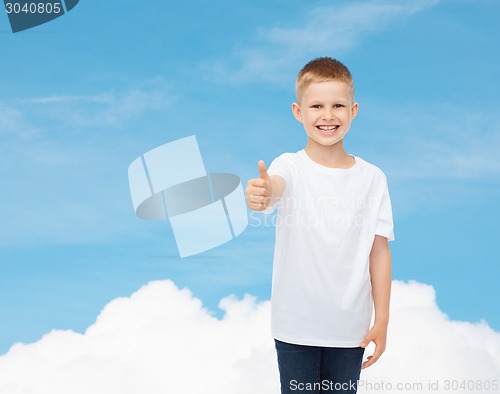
{"points": [[332, 262]]}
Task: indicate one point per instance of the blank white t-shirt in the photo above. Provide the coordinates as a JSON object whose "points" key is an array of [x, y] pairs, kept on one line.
{"points": [[325, 226]]}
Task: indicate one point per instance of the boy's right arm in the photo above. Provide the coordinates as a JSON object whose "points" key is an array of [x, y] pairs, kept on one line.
{"points": [[264, 191]]}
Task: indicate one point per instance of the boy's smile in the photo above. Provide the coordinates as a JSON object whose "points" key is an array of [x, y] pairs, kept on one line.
{"points": [[326, 109], [327, 129]]}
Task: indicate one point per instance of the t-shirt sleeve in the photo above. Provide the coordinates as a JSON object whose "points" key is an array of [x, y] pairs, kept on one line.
{"points": [[279, 166], [385, 224]]}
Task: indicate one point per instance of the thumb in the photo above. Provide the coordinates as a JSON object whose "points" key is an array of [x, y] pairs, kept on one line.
{"points": [[366, 341], [263, 170]]}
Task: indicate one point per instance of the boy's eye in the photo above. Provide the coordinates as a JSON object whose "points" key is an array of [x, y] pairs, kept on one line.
{"points": [[338, 106]]}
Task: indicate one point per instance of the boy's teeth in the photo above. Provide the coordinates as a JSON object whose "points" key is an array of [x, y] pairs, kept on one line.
{"points": [[327, 128]]}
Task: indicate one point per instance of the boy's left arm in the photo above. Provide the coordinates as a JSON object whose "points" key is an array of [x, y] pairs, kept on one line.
{"points": [[381, 278]]}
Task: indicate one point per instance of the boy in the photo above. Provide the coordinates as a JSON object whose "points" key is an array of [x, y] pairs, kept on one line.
{"points": [[332, 262]]}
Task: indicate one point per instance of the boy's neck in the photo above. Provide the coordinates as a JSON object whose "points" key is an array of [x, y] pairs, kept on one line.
{"points": [[333, 156]]}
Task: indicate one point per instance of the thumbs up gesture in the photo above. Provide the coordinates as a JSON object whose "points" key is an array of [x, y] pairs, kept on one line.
{"points": [[259, 191]]}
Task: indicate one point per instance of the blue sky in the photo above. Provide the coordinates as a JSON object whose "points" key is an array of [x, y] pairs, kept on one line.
{"points": [[81, 97]]}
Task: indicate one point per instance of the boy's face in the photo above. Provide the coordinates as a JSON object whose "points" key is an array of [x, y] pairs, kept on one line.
{"points": [[326, 109]]}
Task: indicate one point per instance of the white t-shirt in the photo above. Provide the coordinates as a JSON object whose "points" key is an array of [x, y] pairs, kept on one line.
{"points": [[326, 223]]}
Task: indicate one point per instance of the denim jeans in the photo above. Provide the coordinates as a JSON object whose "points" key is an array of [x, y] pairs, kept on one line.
{"points": [[314, 369]]}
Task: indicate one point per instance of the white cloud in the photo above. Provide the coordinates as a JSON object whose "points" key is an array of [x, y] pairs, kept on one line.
{"points": [[441, 142], [162, 340], [26, 118], [102, 109], [340, 27], [12, 122], [326, 29], [69, 150], [425, 345]]}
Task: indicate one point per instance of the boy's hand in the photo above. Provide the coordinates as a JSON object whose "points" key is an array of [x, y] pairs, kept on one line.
{"points": [[378, 335], [259, 190]]}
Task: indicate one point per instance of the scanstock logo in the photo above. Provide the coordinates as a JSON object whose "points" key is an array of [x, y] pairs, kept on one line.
{"points": [[24, 14]]}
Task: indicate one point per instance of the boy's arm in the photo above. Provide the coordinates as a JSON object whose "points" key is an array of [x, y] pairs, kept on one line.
{"points": [[381, 278], [264, 191]]}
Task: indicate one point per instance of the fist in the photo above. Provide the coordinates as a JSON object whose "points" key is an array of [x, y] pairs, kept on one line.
{"points": [[259, 190]]}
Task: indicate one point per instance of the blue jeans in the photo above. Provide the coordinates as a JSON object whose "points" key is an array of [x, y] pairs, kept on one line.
{"points": [[314, 369]]}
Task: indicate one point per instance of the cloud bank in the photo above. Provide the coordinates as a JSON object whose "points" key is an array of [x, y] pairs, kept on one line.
{"points": [[162, 340]]}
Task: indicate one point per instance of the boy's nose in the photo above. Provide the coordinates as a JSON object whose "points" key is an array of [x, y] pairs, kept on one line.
{"points": [[328, 114]]}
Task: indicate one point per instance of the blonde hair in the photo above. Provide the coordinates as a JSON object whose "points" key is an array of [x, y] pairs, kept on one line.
{"points": [[322, 69]]}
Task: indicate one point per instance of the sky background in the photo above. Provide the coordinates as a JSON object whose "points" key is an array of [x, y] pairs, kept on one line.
{"points": [[84, 95]]}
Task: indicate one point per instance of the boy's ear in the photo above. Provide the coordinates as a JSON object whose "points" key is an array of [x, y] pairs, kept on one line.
{"points": [[297, 113], [354, 110]]}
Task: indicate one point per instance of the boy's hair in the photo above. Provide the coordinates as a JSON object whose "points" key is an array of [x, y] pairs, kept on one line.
{"points": [[322, 69]]}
